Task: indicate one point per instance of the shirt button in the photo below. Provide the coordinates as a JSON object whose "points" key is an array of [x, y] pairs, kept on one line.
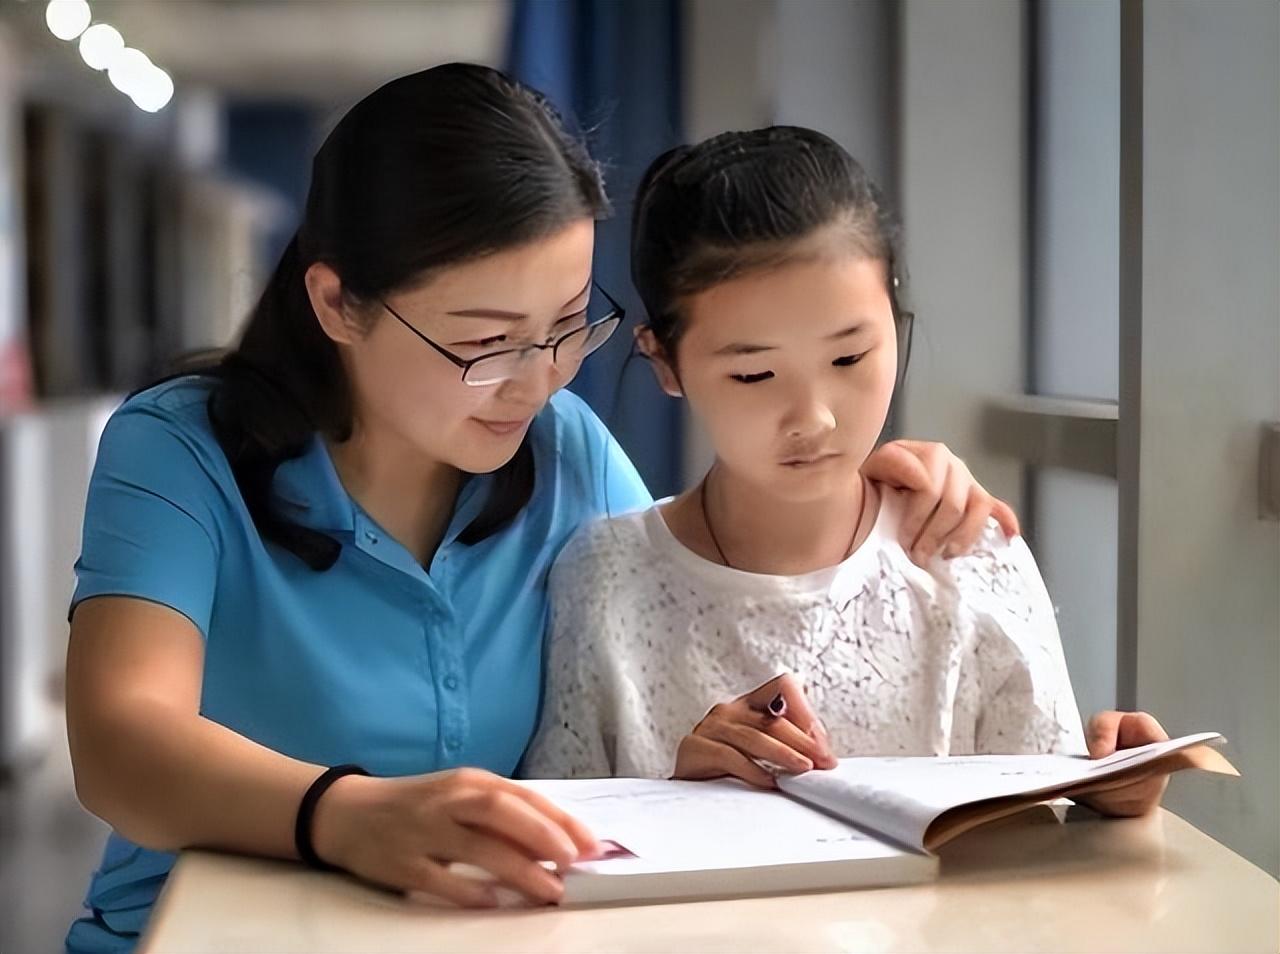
{"points": [[371, 536], [451, 681]]}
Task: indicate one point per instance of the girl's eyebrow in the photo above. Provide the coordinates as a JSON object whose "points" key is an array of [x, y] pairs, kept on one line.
{"points": [[511, 315], [742, 347]]}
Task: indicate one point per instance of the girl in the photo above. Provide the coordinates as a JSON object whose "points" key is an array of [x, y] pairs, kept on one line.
{"points": [[330, 549], [769, 268]]}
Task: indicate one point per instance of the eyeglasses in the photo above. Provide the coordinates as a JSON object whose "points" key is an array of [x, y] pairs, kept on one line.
{"points": [[567, 352]]}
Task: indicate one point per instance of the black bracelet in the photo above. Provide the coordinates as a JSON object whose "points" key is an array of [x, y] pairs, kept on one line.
{"points": [[307, 810]]}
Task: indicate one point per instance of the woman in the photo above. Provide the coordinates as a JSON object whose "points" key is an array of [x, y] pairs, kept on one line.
{"points": [[331, 547]]}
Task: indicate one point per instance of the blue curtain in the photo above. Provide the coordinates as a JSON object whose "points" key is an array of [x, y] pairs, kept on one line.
{"points": [[612, 67]]}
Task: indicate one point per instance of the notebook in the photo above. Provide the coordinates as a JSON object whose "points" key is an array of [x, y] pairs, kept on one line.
{"points": [[869, 822]]}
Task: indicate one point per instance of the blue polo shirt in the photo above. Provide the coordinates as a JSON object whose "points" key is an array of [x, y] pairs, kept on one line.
{"points": [[377, 660]]}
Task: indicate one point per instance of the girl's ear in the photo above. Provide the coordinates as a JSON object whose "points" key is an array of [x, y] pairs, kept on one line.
{"points": [[649, 346], [324, 288]]}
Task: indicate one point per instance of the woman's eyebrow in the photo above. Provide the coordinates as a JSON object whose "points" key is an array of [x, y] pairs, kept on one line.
{"points": [[511, 315]]}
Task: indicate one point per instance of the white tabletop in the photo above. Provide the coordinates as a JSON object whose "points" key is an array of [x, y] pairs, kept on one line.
{"points": [[1026, 884]]}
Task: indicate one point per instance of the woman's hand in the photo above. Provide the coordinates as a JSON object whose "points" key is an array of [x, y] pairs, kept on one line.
{"points": [[1110, 731], [404, 832], [946, 508], [772, 723]]}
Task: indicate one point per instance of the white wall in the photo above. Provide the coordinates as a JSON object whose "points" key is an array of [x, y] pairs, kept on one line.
{"points": [[962, 184], [1208, 600]]}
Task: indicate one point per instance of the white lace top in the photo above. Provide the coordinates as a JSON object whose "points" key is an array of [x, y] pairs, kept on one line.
{"points": [[645, 636]]}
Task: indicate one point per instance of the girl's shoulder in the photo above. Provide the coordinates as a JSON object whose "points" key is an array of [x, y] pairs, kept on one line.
{"points": [[993, 565], [611, 545]]}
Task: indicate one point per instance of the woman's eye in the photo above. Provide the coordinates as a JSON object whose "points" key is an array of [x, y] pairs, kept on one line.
{"points": [[485, 342], [752, 378], [848, 359]]}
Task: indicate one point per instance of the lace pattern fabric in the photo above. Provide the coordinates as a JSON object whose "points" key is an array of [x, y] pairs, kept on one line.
{"points": [[645, 636]]}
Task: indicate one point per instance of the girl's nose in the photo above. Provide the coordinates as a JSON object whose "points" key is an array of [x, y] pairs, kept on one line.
{"points": [[808, 417]]}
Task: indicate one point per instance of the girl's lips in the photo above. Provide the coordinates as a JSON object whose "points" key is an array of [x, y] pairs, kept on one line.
{"points": [[802, 462]]}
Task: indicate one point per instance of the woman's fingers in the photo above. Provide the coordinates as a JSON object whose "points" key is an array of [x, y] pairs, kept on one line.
{"points": [[921, 504], [507, 815], [435, 879], [1005, 517], [512, 867], [947, 515], [582, 837]]}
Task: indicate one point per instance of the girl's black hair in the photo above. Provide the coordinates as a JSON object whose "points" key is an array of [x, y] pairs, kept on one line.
{"points": [[743, 201], [433, 169]]}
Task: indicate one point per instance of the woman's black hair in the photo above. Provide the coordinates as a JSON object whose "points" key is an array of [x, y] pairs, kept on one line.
{"points": [[433, 169], [743, 201]]}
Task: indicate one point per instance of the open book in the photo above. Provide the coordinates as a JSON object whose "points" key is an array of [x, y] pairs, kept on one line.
{"points": [[869, 822]]}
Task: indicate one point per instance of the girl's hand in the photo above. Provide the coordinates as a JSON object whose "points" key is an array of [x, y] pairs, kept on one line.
{"points": [[947, 508], [772, 723], [404, 832], [1109, 731]]}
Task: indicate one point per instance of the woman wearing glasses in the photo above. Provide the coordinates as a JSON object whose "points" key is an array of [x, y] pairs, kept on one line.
{"points": [[312, 589]]}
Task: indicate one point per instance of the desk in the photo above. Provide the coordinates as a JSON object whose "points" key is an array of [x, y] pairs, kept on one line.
{"points": [[1026, 884]]}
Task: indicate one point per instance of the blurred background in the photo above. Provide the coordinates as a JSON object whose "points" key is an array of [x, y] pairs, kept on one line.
{"points": [[1091, 196]]}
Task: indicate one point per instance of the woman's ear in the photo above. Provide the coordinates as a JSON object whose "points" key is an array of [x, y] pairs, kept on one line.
{"points": [[324, 288], [666, 375]]}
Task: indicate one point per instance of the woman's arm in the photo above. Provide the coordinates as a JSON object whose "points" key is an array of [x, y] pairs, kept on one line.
{"points": [[149, 764]]}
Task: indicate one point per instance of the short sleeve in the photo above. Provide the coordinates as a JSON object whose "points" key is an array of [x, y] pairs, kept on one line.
{"points": [[150, 526], [606, 477], [1027, 704], [574, 738]]}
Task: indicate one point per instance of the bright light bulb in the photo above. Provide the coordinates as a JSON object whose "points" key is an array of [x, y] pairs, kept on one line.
{"points": [[127, 70], [99, 45], [153, 91], [67, 18]]}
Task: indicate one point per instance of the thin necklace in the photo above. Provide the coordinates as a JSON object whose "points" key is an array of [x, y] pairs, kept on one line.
{"points": [[706, 520]]}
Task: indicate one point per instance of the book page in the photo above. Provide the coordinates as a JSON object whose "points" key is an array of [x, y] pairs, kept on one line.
{"points": [[675, 825], [902, 797]]}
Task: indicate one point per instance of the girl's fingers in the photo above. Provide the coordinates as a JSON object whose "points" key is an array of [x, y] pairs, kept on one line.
{"points": [[813, 745], [1112, 730], [1102, 732], [1139, 728], [703, 758], [797, 710], [755, 744]]}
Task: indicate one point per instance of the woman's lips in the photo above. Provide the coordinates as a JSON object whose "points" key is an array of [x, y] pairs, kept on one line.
{"points": [[503, 428]]}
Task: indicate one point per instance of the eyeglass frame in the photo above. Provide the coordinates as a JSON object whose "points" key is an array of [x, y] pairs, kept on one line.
{"points": [[616, 314]]}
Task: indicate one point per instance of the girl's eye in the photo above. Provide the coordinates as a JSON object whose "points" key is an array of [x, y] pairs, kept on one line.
{"points": [[848, 359], [752, 378]]}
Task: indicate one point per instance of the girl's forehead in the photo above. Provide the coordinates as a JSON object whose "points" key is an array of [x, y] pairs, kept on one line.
{"points": [[809, 299]]}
